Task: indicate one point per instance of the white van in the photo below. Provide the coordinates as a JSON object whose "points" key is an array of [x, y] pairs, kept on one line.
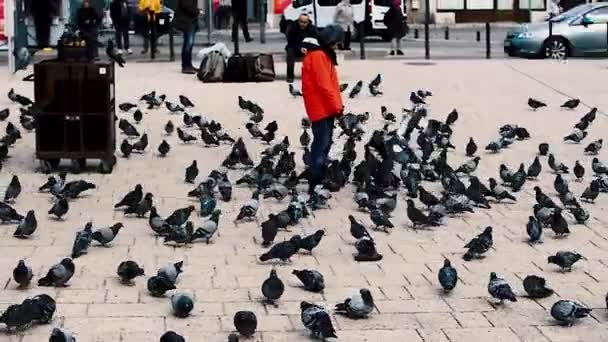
{"points": [[321, 12]]}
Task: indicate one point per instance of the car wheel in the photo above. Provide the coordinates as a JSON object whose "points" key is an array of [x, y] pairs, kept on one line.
{"points": [[556, 48]]}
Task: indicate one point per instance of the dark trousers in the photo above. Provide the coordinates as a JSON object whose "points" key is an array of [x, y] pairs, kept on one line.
{"points": [[345, 45], [322, 132], [122, 37], [149, 34], [43, 30], [90, 38], [187, 45], [241, 21], [293, 53]]}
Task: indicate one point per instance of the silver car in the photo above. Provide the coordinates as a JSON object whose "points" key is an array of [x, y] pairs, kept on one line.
{"points": [[582, 32]]}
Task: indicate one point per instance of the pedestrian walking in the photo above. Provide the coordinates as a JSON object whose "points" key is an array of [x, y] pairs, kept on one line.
{"points": [[239, 18], [396, 26], [223, 15], [151, 9], [186, 20], [88, 24], [296, 33], [43, 11], [322, 97], [121, 19], [344, 16]]}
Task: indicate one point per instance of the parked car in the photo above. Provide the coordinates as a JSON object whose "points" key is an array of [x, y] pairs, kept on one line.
{"points": [[579, 32]]}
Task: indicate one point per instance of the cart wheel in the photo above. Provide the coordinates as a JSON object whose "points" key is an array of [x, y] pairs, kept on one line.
{"points": [[107, 165], [48, 165], [78, 165]]}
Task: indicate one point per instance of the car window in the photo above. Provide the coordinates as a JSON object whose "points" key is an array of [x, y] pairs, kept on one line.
{"points": [[573, 12], [300, 3], [598, 16], [386, 3], [356, 2]]}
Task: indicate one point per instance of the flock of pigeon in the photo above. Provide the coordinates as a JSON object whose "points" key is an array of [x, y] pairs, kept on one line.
{"points": [[397, 160]]}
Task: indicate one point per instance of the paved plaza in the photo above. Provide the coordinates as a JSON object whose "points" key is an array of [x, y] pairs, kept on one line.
{"points": [[225, 276]]}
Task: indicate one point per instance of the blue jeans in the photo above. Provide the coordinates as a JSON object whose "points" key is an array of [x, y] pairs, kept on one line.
{"points": [[187, 46], [322, 132]]}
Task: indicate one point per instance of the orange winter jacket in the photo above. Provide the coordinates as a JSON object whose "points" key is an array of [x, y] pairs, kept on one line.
{"points": [[320, 86]]}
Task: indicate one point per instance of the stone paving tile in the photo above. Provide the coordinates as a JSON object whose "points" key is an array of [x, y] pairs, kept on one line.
{"points": [[225, 276]]}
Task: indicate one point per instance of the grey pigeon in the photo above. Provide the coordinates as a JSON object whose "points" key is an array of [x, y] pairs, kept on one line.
{"points": [[500, 289], [169, 127], [22, 274], [83, 240], [591, 192], [556, 165], [358, 306], [171, 271], [172, 336], [565, 259], [132, 198], [61, 335], [534, 229], [312, 280], [282, 251], [13, 190], [273, 287], [158, 285], [191, 172], [105, 235], [317, 321], [140, 209], [579, 171], [164, 148], [27, 226], [568, 311], [535, 287], [129, 270], [182, 304], [245, 323], [59, 274], [208, 228], [357, 230], [250, 207], [60, 208], [448, 276], [479, 245]]}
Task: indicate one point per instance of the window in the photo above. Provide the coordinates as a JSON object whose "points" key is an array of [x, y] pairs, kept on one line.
{"points": [[480, 4], [535, 4], [598, 16], [300, 3], [328, 3], [450, 4]]}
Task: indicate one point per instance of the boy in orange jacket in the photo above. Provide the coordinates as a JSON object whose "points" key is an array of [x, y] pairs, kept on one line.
{"points": [[322, 97]]}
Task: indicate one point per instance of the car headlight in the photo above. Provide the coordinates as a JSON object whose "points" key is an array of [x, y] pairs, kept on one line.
{"points": [[525, 35]]}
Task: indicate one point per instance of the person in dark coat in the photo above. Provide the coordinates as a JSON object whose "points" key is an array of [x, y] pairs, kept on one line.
{"points": [[42, 11], [296, 32], [88, 23], [121, 19], [395, 25], [185, 20], [239, 18]]}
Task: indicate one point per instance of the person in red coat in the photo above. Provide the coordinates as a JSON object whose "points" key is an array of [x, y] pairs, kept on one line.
{"points": [[322, 97]]}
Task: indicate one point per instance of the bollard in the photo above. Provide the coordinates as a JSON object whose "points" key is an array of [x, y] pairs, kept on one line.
{"points": [[263, 6], [361, 32], [478, 35], [427, 19], [447, 33], [235, 34], [607, 37], [171, 44], [488, 42], [209, 20], [416, 35]]}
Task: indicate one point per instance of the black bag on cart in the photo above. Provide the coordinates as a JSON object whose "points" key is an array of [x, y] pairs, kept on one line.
{"points": [[236, 69]]}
